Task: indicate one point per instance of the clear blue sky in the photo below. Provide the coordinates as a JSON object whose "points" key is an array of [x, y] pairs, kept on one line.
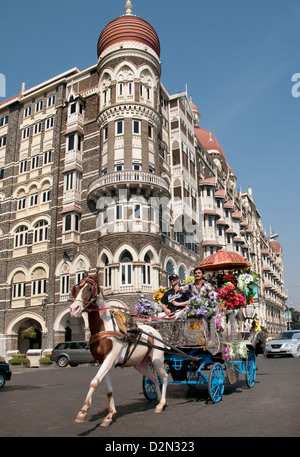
{"points": [[237, 58]]}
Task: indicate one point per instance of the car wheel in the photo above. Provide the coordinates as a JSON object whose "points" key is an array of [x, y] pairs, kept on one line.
{"points": [[63, 361], [296, 352], [2, 379]]}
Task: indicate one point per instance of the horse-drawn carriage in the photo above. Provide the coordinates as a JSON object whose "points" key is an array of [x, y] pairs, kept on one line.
{"points": [[197, 354], [188, 350]]}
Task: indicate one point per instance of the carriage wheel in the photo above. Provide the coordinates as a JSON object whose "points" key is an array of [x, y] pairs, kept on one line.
{"points": [[251, 369], [216, 381], [149, 389]]}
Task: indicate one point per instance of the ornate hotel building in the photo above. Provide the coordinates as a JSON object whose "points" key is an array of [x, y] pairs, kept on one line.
{"points": [[103, 169]]}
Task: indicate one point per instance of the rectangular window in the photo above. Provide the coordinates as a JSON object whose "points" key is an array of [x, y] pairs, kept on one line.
{"points": [[208, 191], [119, 127], [49, 123], [39, 287], [27, 111], [137, 211], [210, 221], [1, 174], [71, 142], [136, 166], [150, 131], [148, 93], [69, 181], [119, 212], [119, 167], [33, 201], [64, 284], [105, 133], [73, 108], [34, 162], [68, 220], [220, 231], [23, 166], [26, 133], [2, 141], [21, 204], [51, 100], [120, 89], [39, 106], [136, 127], [126, 271], [129, 88], [47, 157], [37, 128], [107, 277], [19, 290], [46, 196], [146, 274], [3, 121]]}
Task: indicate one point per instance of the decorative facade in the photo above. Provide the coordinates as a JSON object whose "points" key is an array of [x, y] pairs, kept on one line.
{"points": [[103, 169]]}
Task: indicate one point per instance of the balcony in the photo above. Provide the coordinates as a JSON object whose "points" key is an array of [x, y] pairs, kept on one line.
{"points": [[123, 179]]}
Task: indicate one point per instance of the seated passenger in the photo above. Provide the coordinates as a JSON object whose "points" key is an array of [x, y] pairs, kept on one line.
{"points": [[199, 285], [174, 299]]}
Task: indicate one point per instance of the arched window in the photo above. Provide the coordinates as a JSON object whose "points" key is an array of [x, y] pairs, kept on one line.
{"points": [[170, 267], [18, 285], [182, 273], [38, 282], [126, 268], [107, 271], [40, 232], [21, 236], [146, 270]]}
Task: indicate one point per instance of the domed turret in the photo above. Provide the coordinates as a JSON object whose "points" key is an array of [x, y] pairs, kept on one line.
{"points": [[128, 28]]}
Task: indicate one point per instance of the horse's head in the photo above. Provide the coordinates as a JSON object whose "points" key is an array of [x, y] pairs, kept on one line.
{"points": [[86, 295]]}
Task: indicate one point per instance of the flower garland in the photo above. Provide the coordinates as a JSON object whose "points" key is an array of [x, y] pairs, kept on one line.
{"points": [[147, 307], [198, 306], [232, 351], [221, 323], [229, 298], [242, 350], [228, 352]]}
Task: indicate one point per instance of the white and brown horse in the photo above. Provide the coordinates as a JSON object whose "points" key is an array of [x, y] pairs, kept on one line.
{"points": [[111, 351]]}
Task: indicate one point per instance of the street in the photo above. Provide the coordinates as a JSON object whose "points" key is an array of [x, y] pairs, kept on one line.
{"points": [[43, 402]]}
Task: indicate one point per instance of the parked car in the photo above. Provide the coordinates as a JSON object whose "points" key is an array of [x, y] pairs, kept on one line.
{"points": [[71, 353], [286, 343], [5, 373]]}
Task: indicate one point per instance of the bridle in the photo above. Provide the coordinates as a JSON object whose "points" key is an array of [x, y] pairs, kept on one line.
{"points": [[95, 293]]}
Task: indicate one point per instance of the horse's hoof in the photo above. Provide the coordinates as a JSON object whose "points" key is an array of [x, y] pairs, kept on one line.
{"points": [[81, 417], [106, 423], [158, 409]]}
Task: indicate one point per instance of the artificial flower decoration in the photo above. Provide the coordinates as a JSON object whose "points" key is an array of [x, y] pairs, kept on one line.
{"points": [[147, 307], [158, 295], [198, 306], [221, 323], [241, 350], [229, 298], [228, 352]]}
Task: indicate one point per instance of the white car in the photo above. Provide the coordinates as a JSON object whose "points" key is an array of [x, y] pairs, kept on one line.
{"points": [[286, 343]]}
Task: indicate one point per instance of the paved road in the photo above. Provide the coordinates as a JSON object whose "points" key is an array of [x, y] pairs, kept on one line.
{"points": [[44, 403]]}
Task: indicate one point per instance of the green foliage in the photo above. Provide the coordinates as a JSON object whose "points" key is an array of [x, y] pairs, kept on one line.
{"points": [[46, 360], [19, 359]]}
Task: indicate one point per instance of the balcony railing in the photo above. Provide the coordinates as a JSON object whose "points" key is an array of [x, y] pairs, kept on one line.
{"points": [[136, 177]]}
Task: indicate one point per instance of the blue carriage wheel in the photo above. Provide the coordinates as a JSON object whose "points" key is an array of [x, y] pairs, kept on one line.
{"points": [[149, 389], [251, 369], [216, 382]]}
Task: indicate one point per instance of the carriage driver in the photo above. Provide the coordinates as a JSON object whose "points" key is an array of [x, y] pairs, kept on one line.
{"points": [[174, 299]]}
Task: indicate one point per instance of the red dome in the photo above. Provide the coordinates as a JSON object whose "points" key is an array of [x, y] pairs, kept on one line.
{"points": [[209, 141], [128, 28]]}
